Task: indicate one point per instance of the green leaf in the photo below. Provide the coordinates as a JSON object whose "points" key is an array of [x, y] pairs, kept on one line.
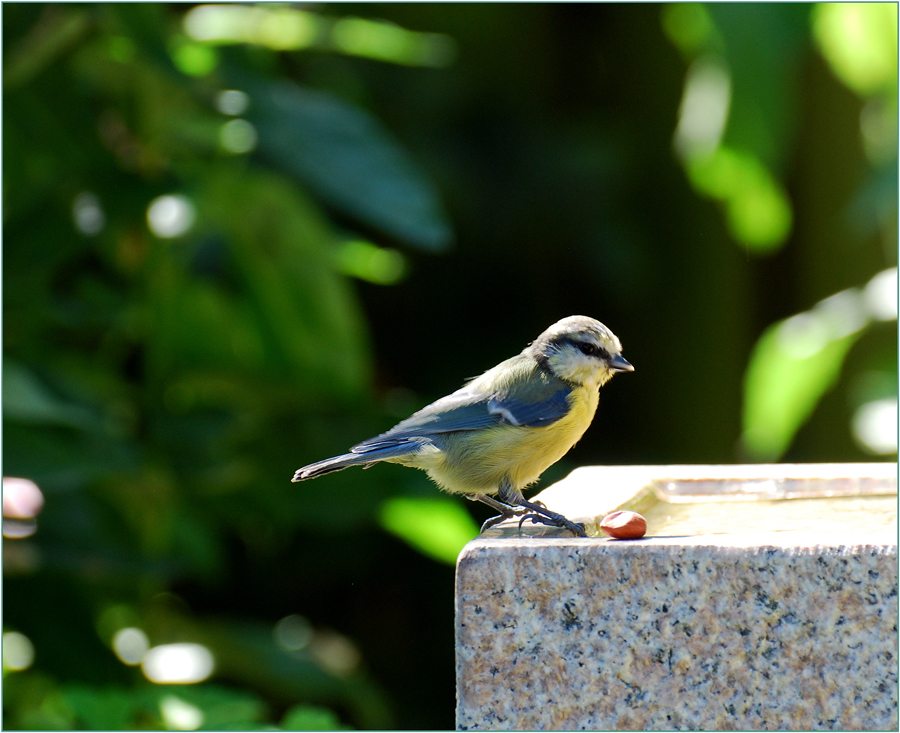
{"points": [[350, 160], [436, 527], [26, 399], [109, 708], [310, 717], [859, 41], [306, 314], [793, 364], [759, 213], [64, 459], [222, 708]]}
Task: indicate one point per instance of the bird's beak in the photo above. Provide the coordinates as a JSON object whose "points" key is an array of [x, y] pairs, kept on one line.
{"points": [[618, 364]]}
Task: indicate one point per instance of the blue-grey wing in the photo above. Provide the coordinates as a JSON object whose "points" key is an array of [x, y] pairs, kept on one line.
{"points": [[517, 411], [536, 401], [458, 411]]}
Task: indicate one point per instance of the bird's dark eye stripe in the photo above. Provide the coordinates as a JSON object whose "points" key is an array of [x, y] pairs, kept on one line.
{"points": [[589, 349], [585, 347]]}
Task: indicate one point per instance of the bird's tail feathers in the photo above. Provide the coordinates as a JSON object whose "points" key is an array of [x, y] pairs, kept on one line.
{"points": [[362, 455], [338, 463]]}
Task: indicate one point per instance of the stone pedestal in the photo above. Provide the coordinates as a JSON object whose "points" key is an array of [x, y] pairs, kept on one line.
{"points": [[787, 628]]}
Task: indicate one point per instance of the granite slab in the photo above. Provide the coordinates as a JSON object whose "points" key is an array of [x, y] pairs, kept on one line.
{"points": [[750, 630]]}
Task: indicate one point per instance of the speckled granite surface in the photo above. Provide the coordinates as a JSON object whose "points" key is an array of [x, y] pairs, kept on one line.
{"points": [[721, 632]]}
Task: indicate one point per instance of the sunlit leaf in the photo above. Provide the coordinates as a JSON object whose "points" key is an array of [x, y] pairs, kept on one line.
{"points": [[689, 27], [859, 40], [389, 42], [276, 27], [760, 215], [436, 527], [758, 211], [194, 59], [364, 260], [787, 375], [348, 158], [282, 29]]}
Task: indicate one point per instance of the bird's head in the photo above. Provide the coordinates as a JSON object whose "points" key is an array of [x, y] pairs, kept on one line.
{"points": [[579, 350]]}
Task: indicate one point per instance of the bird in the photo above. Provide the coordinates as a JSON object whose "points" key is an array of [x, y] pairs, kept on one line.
{"points": [[500, 431]]}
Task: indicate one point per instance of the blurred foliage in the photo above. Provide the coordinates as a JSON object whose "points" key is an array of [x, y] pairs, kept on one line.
{"points": [[797, 360], [204, 207], [438, 527]]}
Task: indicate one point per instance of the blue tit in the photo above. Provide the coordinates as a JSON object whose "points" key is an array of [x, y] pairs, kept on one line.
{"points": [[502, 430]]}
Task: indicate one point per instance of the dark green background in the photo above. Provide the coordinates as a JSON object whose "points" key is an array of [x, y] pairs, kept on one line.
{"points": [[531, 179]]}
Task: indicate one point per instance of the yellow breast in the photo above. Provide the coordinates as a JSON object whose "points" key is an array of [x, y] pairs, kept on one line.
{"points": [[476, 463]]}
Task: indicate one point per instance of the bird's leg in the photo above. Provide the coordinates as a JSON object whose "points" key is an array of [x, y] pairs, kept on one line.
{"points": [[541, 515], [536, 512], [506, 511]]}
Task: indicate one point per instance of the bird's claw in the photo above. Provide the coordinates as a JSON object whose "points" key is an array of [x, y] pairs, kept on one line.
{"points": [[536, 512], [502, 518], [576, 528]]}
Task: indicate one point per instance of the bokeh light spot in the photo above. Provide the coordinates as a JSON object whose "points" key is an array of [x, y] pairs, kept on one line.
{"points": [[293, 633], [170, 216], [802, 335], [88, 214], [22, 502], [878, 127], [875, 426], [844, 312], [335, 653], [22, 499], [18, 651], [130, 645], [285, 29], [881, 295], [232, 102], [238, 136], [178, 664], [195, 59], [704, 108], [180, 715]]}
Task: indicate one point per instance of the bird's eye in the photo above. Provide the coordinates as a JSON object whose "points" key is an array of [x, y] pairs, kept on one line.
{"points": [[587, 349]]}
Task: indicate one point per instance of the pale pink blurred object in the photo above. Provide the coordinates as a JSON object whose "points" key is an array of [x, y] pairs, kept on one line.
{"points": [[22, 499]]}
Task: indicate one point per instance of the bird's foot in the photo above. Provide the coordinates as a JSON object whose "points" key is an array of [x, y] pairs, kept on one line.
{"points": [[507, 514], [537, 513], [534, 511]]}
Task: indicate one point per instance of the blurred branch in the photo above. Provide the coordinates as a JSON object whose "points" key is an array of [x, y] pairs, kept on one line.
{"points": [[59, 28]]}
